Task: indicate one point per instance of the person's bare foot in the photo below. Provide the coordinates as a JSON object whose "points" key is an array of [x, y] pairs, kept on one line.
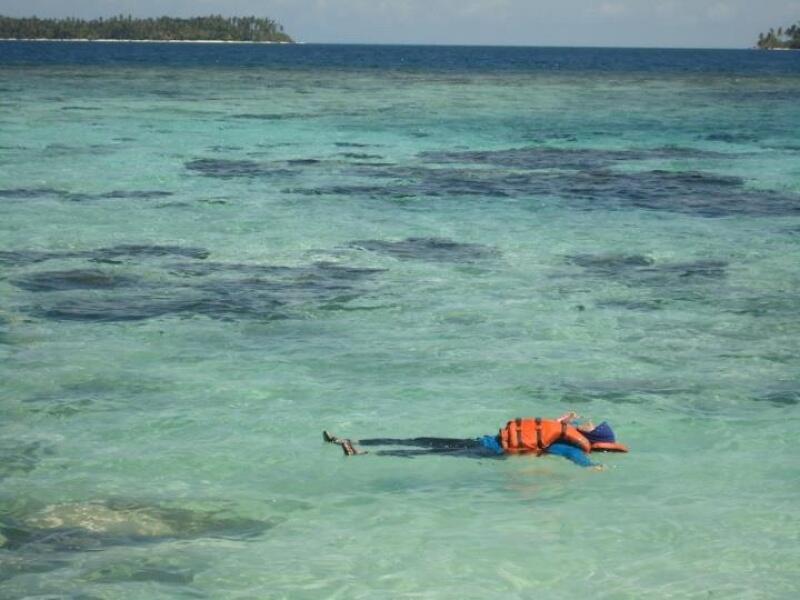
{"points": [[349, 449], [332, 439]]}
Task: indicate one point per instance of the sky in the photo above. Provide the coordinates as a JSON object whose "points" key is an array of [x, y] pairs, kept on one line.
{"points": [[640, 23]]}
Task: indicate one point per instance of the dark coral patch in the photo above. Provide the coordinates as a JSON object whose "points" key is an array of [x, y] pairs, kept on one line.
{"points": [[206, 268], [610, 263], [18, 458], [428, 249], [15, 258], [31, 193], [45, 192], [636, 305], [693, 193], [76, 279], [780, 397], [228, 168], [215, 290], [131, 194], [580, 178], [144, 251], [111, 309], [543, 157], [370, 191], [269, 116], [732, 137], [783, 305], [642, 270], [361, 156], [112, 254]]}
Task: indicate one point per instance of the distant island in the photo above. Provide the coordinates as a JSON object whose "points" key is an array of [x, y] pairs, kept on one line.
{"points": [[783, 39], [162, 29]]}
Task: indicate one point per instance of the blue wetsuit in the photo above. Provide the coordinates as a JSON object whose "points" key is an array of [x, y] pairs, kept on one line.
{"points": [[576, 455]]}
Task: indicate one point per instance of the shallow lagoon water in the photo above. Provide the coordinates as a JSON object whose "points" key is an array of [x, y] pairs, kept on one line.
{"points": [[204, 264]]}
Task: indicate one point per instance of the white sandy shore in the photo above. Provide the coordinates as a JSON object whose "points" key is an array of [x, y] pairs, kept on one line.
{"points": [[138, 41]]}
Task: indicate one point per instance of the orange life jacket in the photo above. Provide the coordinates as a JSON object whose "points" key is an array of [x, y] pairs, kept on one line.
{"points": [[537, 435]]}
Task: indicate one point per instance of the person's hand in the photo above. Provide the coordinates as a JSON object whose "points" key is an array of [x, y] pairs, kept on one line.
{"points": [[568, 417]]}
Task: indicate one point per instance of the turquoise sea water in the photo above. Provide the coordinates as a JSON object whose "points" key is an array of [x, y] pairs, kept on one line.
{"points": [[204, 265]]}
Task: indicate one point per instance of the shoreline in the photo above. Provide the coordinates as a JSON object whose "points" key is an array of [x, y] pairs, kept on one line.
{"points": [[112, 41]]}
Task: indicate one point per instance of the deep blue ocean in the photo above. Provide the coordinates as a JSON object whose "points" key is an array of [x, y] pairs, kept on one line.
{"points": [[471, 59], [209, 253]]}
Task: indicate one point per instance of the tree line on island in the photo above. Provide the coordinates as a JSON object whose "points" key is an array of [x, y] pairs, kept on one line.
{"points": [[214, 27], [788, 38]]}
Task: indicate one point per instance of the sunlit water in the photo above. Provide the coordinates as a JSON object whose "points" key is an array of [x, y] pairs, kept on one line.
{"points": [[204, 265]]}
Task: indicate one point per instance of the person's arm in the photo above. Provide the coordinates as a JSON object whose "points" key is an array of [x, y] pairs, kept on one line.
{"points": [[572, 418], [566, 418], [576, 455]]}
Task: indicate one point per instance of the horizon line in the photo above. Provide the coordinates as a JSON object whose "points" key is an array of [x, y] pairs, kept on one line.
{"points": [[388, 44]]}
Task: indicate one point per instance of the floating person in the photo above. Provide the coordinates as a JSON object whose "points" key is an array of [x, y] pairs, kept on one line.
{"points": [[565, 436]]}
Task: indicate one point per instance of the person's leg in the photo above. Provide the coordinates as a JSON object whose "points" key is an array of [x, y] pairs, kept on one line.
{"points": [[426, 445], [349, 449], [477, 452], [434, 443], [411, 453], [419, 442], [330, 438]]}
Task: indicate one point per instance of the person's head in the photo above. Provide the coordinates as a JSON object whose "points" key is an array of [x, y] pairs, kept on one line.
{"points": [[602, 438]]}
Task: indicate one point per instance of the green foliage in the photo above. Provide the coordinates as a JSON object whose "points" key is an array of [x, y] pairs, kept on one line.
{"points": [[214, 27], [783, 38]]}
